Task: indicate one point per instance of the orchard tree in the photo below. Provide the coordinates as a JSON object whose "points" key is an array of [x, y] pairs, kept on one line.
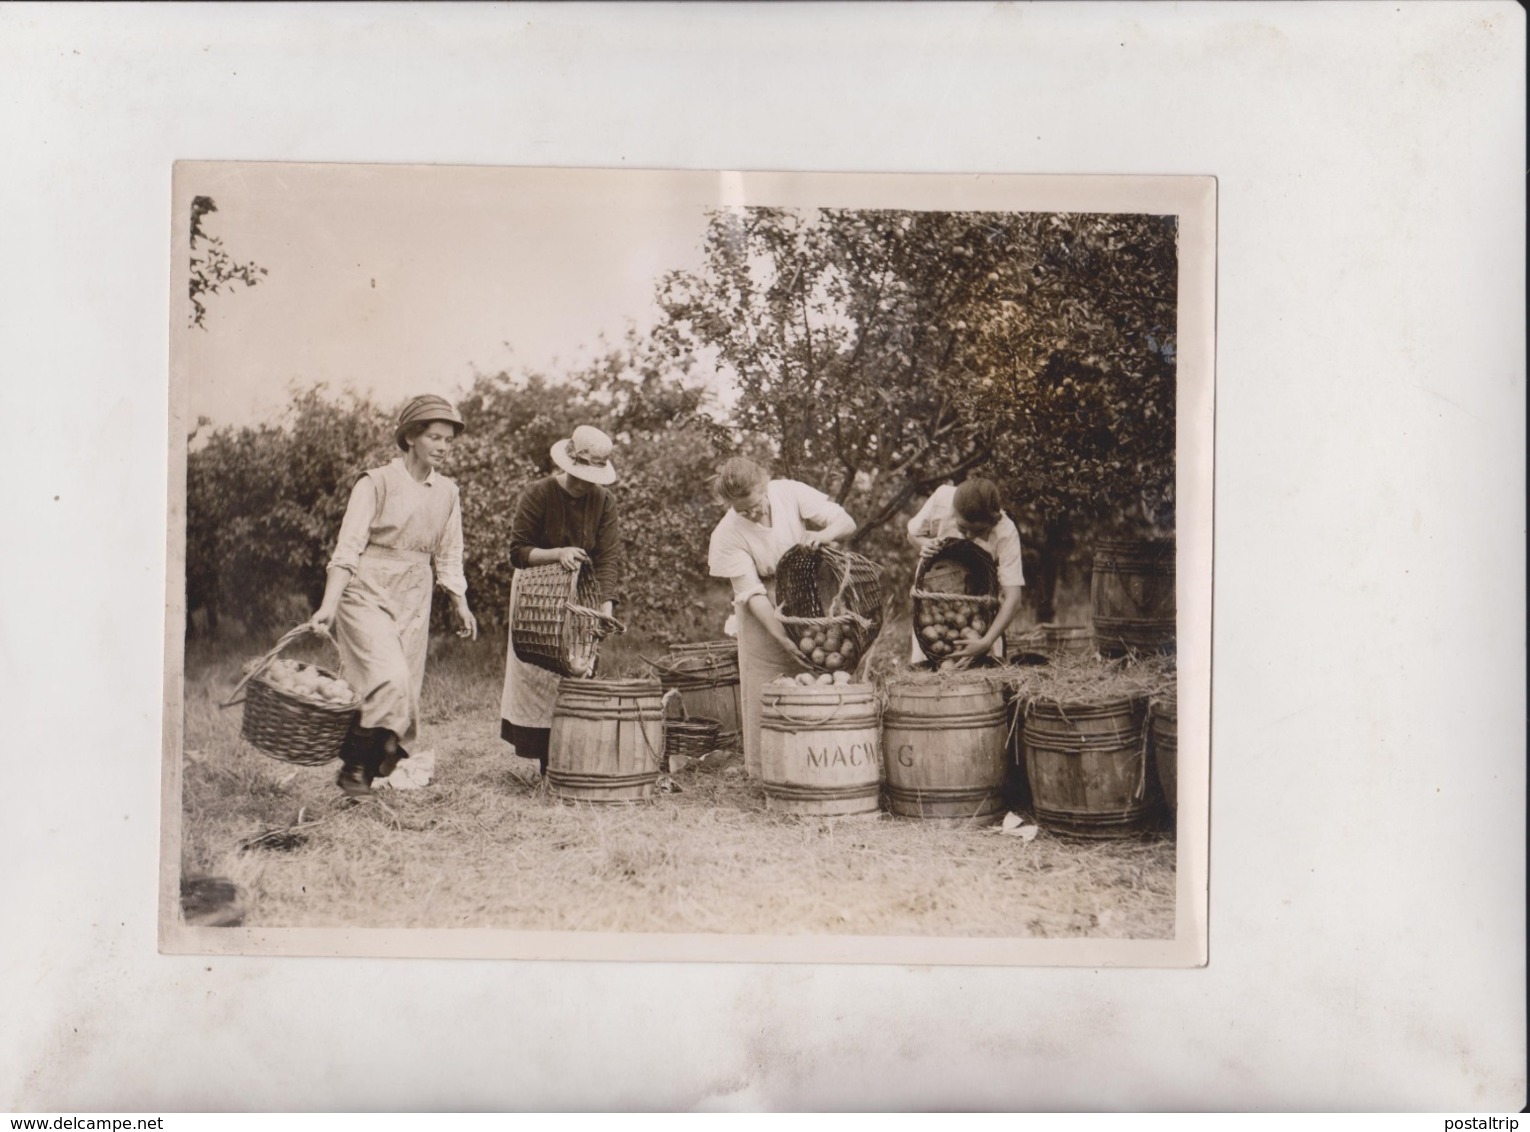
{"points": [[887, 352], [832, 326], [264, 504], [212, 268], [1071, 351]]}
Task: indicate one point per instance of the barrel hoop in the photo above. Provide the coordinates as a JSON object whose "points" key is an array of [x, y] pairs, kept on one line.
{"points": [[792, 791], [841, 723], [970, 721], [969, 794], [1125, 741], [565, 778], [1106, 624], [566, 712], [1098, 818], [691, 685]]}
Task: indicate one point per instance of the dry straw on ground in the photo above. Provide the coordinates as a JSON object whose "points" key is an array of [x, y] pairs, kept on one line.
{"points": [[487, 846]]}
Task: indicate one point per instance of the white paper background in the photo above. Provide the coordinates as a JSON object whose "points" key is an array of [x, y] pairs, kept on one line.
{"points": [[1368, 782]]}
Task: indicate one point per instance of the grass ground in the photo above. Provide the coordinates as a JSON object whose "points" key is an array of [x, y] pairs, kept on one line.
{"points": [[485, 845]]}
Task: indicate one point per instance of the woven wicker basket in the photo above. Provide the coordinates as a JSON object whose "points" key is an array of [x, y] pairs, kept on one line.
{"points": [[960, 574], [286, 726], [555, 624], [824, 587], [688, 735]]}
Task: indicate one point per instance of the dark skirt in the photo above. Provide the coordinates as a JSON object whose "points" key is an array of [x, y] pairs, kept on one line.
{"points": [[529, 742]]}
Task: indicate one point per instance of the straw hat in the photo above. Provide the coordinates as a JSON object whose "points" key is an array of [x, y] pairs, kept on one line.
{"points": [[422, 410], [586, 455]]}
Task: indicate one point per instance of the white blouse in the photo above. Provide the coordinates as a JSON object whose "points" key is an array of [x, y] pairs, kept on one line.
{"points": [[937, 519], [747, 552], [389, 508]]}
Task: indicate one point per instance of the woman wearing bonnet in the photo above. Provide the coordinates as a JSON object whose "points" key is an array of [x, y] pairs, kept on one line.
{"points": [[570, 518], [765, 519], [402, 533]]}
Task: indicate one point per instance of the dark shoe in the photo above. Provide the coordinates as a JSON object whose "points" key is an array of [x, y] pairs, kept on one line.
{"points": [[392, 753], [353, 780]]}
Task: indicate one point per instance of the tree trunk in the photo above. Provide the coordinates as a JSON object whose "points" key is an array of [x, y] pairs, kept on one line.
{"points": [[1053, 551]]}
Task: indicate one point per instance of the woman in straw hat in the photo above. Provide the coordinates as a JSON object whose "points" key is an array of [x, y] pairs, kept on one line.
{"points": [[765, 519], [402, 532], [570, 518]]}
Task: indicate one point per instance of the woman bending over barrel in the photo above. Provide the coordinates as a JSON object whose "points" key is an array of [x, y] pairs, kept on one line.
{"points": [[765, 519], [570, 518], [974, 511], [402, 532]]}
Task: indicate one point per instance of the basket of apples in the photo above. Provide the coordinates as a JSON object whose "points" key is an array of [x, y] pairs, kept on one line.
{"points": [[830, 605], [296, 712], [956, 593]]}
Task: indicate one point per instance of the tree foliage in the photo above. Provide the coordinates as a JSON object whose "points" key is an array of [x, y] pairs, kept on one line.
{"points": [[886, 352], [212, 268], [264, 504]]}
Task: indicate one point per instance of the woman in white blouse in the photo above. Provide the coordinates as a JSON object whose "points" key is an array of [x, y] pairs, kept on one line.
{"points": [[401, 534], [765, 519]]}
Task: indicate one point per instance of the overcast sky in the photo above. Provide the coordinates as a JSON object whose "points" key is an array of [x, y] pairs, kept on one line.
{"points": [[406, 279]]}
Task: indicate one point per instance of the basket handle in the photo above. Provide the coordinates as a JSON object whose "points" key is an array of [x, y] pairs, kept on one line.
{"points": [[664, 701], [264, 662], [604, 626], [839, 701], [672, 694]]}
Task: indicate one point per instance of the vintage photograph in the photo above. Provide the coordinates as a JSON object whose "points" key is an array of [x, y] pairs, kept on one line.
{"points": [[688, 565]]}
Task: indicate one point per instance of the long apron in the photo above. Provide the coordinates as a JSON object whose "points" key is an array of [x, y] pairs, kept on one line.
{"points": [[530, 692], [383, 630], [760, 660]]}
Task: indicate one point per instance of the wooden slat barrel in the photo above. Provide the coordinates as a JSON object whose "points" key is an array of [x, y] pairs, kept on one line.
{"points": [[1087, 766], [607, 740], [1069, 640], [944, 745], [1164, 726], [706, 676], [1131, 590], [819, 753]]}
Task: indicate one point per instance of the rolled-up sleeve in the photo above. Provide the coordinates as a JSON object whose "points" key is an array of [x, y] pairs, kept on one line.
{"points": [[816, 508], [356, 527], [1007, 548], [726, 558], [926, 524], [449, 575]]}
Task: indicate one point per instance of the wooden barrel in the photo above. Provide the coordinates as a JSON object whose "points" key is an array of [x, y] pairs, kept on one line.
{"points": [[1131, 588], [1087, 766], [1164, 727], [945, 746], [607, 740], [1068, 640], [706, 676], [819, 753]]}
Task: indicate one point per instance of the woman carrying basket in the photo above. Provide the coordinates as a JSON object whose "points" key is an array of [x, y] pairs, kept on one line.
{"points": [[402, 532], [974, 511], [765, 519], [570, 518]]}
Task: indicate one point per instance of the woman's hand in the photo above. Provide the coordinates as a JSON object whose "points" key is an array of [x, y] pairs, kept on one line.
{"points": [[469, 628], [571, 557], [927, 547], [971, 649]]}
